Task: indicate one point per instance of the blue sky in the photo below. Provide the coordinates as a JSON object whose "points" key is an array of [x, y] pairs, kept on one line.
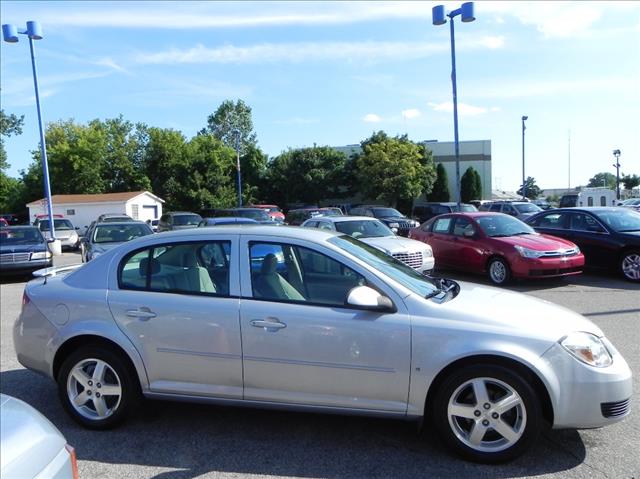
{"points": [[331, 73]]}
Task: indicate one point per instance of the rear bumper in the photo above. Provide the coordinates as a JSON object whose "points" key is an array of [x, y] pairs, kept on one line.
{"points": [[547, 267]]}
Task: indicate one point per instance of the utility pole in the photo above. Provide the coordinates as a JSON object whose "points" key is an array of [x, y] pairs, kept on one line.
{"points": [[616, 153]]}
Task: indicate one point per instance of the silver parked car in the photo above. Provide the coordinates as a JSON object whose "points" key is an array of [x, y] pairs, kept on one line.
{"points": [[296, 318], [413, 253], [30, 446], [106, 236]]}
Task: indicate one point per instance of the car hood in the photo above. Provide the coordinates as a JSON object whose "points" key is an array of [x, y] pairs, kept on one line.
{"points": [[22, 248], [537, 242], [395, 244], [500, 310], [28, 441]]}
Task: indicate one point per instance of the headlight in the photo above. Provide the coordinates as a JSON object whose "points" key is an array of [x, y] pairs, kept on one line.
{"points": [[587, 348], [394, 225], [528, 253], [41, 255], [428, 253]]}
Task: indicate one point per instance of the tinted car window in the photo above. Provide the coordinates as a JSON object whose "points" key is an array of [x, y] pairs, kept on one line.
{"points": [[528, 208], [553, 221], [584, 222], [186, 220], [463, 227], [495, 207]]}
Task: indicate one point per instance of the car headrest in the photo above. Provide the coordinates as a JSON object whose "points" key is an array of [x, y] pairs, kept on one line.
{"points": [[269, 264]]}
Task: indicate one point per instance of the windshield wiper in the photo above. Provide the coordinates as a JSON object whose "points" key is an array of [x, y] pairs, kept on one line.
{"points": [[434, 293]]}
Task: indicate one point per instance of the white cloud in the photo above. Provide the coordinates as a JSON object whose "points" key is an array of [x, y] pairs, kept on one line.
{"points": [[411, 113], [371, 118], [311, 51], [110, 63], [463, 108]]}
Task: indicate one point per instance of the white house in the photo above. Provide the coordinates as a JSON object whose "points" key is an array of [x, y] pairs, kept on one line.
{"points": [[83, 209]]}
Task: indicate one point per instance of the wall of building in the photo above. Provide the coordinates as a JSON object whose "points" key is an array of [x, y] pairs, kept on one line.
{"points": [[144, 208], [80, 214]]}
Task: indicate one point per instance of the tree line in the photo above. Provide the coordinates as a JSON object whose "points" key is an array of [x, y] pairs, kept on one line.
{"points": [[114, 155]]}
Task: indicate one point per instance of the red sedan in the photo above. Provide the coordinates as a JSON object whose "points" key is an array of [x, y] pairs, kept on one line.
{"points": [[499, 245]]}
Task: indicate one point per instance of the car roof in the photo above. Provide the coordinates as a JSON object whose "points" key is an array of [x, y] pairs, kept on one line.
{"points": [[293, 232], [586, 209], [121, 223], [340, 219], [176, 213]]}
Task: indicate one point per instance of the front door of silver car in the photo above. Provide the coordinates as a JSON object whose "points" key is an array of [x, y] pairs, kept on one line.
{"points": [[303, 345], [174, 303]]}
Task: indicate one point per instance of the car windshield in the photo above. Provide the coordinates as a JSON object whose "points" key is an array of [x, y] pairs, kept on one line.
{"points": [[386, 213], [622, 220], [257, 214], [332, 212], [527, 208], [273, 209], [15, 236], [465, 208], [387, 265], [503, 225], [119, 233], [363, 229], [186, 220], [59, 225], [115, 219]]}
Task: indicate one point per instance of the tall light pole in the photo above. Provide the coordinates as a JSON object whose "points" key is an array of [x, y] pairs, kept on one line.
{"points": [[239, 174], [616, 153], [524, 183], [439, 18], [34, 32]]}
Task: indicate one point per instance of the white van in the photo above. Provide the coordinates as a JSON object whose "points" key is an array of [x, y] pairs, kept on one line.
{"points": [[590, 197]]}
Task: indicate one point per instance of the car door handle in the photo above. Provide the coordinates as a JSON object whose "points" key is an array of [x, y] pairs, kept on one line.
{"points": [[143, 314], [272, 324]]}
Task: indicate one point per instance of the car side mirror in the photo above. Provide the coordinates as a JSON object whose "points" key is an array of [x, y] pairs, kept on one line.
{"points": [[364, 297], [78, 228]]}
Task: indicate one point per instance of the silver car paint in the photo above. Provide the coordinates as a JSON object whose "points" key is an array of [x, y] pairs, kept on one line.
{"points": [[30, 446], [481, 320]]}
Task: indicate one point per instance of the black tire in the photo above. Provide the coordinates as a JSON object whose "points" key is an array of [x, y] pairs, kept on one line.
{"points": [[630, 265], [524, 418], [117, 372], [498, 271]]}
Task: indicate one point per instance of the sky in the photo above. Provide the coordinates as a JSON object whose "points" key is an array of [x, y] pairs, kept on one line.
{"points": [[332, 73]]}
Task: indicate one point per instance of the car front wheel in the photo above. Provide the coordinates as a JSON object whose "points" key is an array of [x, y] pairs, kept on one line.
{"points": [[630, 265], [487, 414], [97, 388], [499, 271]]}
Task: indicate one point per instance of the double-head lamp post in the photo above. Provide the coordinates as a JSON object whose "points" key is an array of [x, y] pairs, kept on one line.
{"points": [[34, 32], [524, 183], [439, 18]]}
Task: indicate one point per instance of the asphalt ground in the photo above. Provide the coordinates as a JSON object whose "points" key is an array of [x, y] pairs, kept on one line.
{"points": [[180, 440]]}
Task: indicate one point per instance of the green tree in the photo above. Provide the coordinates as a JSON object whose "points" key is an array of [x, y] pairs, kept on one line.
{"points": [[477, 183], [603, 180], [228, 118], [392, 169], [440, 191], [305, 175], [469, 187], [533, 191], [253, 164], [9, 125], [630, 181]]}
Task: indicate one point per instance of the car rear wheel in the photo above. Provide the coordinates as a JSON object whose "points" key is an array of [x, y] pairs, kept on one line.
{"points": [[499, 271], [97, 387], [487, 414], [630, 265]]}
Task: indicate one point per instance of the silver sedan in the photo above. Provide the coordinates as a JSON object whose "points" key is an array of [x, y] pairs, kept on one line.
{"points": [[305, 319]]}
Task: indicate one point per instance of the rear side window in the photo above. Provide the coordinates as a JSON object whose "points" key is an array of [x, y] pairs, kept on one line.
{"points": [[187, 268], [496, 207], [441, 225]]}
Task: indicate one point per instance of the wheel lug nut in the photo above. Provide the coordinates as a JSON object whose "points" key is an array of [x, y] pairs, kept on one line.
{"points": [[477, 413], [485, 423], [97, 395], [88, 393], [99, 385], [486, 405], [90, 383], [495, 415]]}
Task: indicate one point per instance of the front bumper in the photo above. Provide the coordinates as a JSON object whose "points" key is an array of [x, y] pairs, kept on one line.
{"points": [[24, 266], [584, 396], [547, 267]]}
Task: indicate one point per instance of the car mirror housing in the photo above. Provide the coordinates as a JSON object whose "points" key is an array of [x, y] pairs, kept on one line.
{"points": [[364, 297]]}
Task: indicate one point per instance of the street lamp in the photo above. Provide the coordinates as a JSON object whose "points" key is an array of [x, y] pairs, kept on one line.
{"points": [[239, 174], [34, 32], [524, 184], [439, 18], [616, 153]]}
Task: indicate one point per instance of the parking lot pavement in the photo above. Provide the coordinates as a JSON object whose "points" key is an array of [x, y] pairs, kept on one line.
{"points": [[175, 440]]}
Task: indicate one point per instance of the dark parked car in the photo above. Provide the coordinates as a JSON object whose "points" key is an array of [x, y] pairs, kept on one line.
{"points": [[520, 209], [23, 249], [259, 214], [229, 220], [499, 245], [609, 237], [422, 213], [178, 220], [391, 217]]}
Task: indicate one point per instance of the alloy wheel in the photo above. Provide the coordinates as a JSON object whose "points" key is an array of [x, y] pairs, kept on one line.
{"points": [[94, 389], [498, 272], [631, 266]]}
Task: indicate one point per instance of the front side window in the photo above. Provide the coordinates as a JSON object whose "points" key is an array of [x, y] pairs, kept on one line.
{"points": [[281, 272], [190, 268], [584, 222], [463, 227], [552, 221]]}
